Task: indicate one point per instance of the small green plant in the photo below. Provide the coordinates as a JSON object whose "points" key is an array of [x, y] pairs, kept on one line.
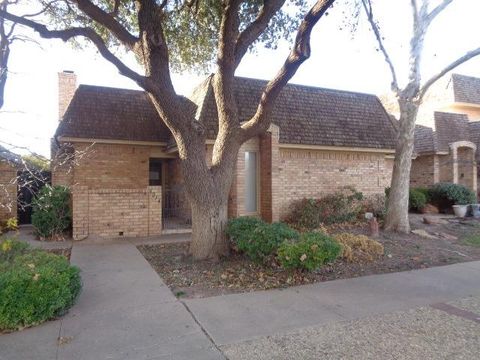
{"points": [[51, 211], [472, 240], [11, 224], [257, 239], [34, 286], [444, 195], [417, 198], [310, 252], [339, 207], [9, 249]]}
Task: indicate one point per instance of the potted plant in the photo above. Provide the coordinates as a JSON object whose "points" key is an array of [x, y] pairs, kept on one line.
{"points": [[460, 210]]}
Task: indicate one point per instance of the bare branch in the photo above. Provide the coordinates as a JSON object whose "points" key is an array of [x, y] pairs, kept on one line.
{"points": [[256, 28], [450, 67], [70, 33], [298, 55], [369, 12], [437, 10]]}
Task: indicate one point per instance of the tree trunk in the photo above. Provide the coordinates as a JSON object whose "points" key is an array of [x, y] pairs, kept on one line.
{"points": [[209, 221], [397, 204]]}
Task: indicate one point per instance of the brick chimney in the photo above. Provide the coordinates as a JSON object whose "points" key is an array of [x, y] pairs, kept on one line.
{"points": [[67, 84]]}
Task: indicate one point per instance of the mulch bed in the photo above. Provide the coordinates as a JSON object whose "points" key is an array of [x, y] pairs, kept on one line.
{"points": [[190, 279]]}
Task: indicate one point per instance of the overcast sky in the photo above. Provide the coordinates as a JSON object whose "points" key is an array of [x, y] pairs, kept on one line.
{"points": [[29, 117]]}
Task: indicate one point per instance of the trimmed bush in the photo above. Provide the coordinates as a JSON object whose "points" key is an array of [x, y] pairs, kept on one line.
{"points": [[416, 199], [9, 249], [358, 247], [35, 286], [257, 239], [310, 252], [340, 207], [444, 195], [51, 211]]}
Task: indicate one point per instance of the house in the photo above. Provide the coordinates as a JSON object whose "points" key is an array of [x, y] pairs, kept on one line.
{"points": [[124, 171], [9, 165], [446, 149]]}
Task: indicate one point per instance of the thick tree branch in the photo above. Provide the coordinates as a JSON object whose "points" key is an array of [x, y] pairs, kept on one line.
{"points": [[450, 67], [70, 33], [248, 36], [107, 20], [367, 6], [437, 10], [298, 55]]}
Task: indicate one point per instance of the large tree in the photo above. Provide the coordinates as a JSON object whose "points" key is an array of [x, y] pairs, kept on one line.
{"points": [[166, 34], [409, 98]]}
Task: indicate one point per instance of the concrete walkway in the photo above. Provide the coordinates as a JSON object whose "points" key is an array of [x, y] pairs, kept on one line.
{"points": [[235, 318], [124, 312]]}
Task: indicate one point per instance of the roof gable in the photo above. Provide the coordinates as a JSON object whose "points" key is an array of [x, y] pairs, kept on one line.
{"points": [[97, 112]]}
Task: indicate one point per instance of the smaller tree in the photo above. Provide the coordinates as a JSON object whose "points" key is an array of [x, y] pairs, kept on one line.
{"points": [[409, 98]]}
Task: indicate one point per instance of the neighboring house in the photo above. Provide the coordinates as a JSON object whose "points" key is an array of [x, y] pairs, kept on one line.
{"points": [[125, 173], [446, 150], [9, 165]]}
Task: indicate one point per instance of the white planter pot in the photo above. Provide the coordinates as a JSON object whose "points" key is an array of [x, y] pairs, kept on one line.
{"points": [[460, 210]]}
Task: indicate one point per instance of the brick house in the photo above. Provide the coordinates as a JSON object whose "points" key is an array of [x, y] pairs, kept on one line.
{"points": [[124, 170], [9, 165], [446, 149]]}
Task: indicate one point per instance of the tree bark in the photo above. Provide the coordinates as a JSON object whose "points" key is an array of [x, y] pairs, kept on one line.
{"points": [[397, 205]]}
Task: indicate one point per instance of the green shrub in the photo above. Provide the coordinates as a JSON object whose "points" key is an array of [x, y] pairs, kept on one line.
{"points": [[444, 195], [342, 206], [416, 200], [35, 287], [257, 239], [309, 253], [9, 249], [51, 211]]}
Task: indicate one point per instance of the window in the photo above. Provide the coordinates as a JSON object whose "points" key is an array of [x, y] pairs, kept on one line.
{"points": [[251, 190], [155, 172]]}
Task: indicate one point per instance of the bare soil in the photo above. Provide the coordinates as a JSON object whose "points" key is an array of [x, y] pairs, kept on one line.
{"points": [[187, 278]]}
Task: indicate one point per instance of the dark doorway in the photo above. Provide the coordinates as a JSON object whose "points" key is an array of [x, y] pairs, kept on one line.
{"points": [[29, 183]]}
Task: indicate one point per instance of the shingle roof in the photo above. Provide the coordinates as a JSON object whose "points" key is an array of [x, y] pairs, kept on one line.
{"points": [[466, 89], [313, 116], [305, 115], [449, 128], [97, 112]]}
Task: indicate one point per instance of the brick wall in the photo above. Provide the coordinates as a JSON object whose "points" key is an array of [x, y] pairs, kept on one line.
{"points": [[312, 173], [8, 191], [423, 171], [466, 165], [109, 213]]}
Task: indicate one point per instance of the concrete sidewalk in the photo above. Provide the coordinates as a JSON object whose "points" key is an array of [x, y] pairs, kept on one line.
{"points": [[240, 317], [124, 312]]}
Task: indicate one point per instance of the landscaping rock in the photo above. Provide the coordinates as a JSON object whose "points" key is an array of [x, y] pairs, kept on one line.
{"points": [[423, 233], [433, 220], [429, 209]]}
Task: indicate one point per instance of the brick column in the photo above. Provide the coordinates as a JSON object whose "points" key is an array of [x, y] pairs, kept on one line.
{"points": [[275, 159], [455, 164], [80, 206], [154, 210]]}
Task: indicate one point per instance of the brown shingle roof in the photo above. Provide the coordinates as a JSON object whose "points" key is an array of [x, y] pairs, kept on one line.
{"points": [[305, 115], [449, 128], [114, 114], [313, 116], [466, 89]]}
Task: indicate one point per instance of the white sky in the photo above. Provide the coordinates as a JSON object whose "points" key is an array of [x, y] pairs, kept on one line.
{"points": [[29, 117]]}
